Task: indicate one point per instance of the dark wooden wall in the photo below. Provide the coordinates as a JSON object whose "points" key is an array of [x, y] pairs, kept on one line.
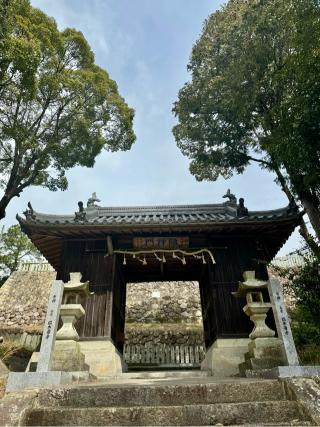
{"points": [[223, 315], [105, 310]]}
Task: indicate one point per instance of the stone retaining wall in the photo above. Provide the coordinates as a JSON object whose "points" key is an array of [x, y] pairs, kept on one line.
{"points": [[171, 334], [163, 313], [158, 302], [23, 301]]}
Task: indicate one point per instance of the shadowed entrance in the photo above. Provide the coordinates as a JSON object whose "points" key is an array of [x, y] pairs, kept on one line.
{"points": [[163, 326]]}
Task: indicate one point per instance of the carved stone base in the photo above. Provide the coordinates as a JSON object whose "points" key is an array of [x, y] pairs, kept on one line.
{"points": [[257, 311], [224, 356], [103, 358], [263, 353], [69, 313], [67, 356]]}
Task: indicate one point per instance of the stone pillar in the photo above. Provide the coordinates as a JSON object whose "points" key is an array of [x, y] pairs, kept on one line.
{"points": [[50, 327], [282, 322]]}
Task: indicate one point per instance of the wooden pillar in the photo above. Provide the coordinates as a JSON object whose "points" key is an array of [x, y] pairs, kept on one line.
{"points": [[208, 304], [118, 306]]}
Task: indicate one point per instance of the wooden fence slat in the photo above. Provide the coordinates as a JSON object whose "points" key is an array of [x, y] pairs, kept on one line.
{"points": [[182, 358], [196, 354], [164, 354]]}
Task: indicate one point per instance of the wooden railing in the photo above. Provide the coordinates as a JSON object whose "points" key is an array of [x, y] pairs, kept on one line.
{"points": [[164, 355], [35, 266]]}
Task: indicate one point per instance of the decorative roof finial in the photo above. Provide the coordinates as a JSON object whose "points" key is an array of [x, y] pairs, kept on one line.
{"points": [[29, 213], [232, 198], [92, 200], [242, 211], [292, 207], [80, 215]]}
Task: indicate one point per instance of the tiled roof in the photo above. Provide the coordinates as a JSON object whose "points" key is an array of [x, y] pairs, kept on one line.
{"points": [[157, 215]]}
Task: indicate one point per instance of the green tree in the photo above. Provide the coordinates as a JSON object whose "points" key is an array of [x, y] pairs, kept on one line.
{"points": [[14, 248], [58, 109], [304, 285], [254, 96]]}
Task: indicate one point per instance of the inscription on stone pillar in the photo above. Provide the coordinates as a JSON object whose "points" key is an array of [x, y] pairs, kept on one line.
{"points": [[282, 321], [50, 327]]}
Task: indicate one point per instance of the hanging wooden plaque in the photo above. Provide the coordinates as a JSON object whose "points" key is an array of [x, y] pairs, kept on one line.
{"points": [[160, 242]]}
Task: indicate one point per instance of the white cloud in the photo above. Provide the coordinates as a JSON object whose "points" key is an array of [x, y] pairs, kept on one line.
{"points": [[145, 46]]}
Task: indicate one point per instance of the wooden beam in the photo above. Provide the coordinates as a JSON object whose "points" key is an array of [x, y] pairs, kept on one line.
{"points": [[109, 245]]}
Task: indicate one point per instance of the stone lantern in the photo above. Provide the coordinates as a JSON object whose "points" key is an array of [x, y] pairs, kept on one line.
{"points": [[71, 309], [67, 353], [264, 350]]}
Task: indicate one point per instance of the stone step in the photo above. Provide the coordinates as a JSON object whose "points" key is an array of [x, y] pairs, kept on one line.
{"points": [[198, 415], [163, 394], [165, 374]]}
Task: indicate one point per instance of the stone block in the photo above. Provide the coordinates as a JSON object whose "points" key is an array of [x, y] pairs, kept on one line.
{"points": [[29, 380], [266, 348], [103, 359], [263, 353], [224, 356], [306, 391], [67, 356], [252, 365], [292, 372], [14, 407]]}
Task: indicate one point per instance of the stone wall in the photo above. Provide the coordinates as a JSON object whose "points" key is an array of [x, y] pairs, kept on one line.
{"points": [[171, 334], [163, 302], [23, 301], [163, 313]]}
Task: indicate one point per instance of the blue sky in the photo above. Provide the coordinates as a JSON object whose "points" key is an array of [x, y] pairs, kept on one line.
{"points": [[145, 46]]}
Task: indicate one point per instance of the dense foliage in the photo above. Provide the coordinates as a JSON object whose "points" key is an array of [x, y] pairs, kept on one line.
{"points": [[304, 284], [15, 247], [58, 109], [254, 96]]}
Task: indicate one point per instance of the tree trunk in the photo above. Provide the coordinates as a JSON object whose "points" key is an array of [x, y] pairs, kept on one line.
{"points": [[4, 204], [312, 211], [315, 249]]}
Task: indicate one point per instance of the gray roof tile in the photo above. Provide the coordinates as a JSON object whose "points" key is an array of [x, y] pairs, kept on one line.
{"points": [[181, 214]]}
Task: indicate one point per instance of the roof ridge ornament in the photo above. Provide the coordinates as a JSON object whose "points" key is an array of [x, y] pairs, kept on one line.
{"points": [[29, 213], [80, 216], [292, 207], [92, 200], [242, 211], [232, 199]]}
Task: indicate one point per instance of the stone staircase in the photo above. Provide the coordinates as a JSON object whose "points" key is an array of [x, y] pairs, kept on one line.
{"points": [[168, 401]]}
